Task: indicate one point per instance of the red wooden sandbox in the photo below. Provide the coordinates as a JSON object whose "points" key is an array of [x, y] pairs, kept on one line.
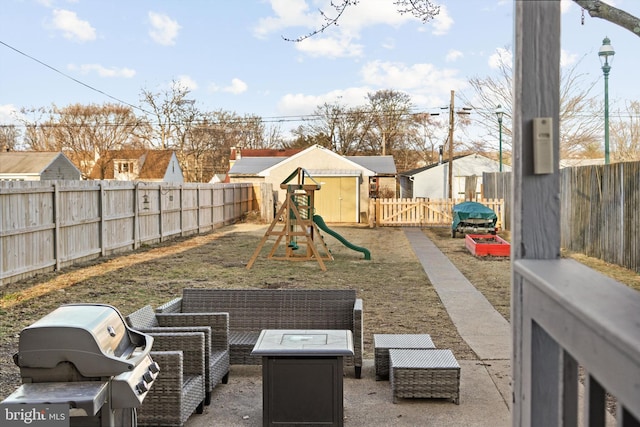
{"points": [[487, 244]]}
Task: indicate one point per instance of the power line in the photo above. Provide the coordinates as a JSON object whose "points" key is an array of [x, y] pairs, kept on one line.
{"points": [[73, 78]]}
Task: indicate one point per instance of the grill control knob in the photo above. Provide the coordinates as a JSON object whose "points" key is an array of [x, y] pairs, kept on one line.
{"points": [[154, 368], [141, 387], [147, 377]]}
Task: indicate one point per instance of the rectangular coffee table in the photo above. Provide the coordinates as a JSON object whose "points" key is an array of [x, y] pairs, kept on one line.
{"points": [[383, 342], [302, 375]]}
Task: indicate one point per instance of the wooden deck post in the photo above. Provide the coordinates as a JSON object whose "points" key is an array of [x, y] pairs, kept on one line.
{"points": [[535, 222]]}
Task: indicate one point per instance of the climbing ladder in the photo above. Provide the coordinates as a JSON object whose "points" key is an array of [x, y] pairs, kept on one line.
{"points": [[293, 225]]}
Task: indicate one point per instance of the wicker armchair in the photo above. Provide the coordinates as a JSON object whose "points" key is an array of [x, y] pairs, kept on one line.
{"points": [[179, 389], [215, 327]]}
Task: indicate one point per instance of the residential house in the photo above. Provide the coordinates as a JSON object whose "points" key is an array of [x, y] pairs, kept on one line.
{"points": [[347, 182], [138, 165], [432, 181], [36, 166]]}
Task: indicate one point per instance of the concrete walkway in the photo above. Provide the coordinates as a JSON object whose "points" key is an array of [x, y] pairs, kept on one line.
{"points": [[485, 389], [478, 323]]}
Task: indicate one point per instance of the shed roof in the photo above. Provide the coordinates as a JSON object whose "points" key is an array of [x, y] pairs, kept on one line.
{"points": [[26, 162], [253, 165], [381, 165]]}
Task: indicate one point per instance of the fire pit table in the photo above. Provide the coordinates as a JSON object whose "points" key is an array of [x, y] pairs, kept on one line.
{"points": [[302, 375]]}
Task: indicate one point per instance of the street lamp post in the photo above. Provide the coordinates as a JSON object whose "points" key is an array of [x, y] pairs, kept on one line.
{"points": [[606, 53], [499, 114]]}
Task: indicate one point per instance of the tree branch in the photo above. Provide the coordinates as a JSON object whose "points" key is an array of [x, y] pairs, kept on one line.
{"points": [[602, 10]]}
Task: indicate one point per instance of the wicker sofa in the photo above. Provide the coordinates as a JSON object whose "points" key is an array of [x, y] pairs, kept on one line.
{"points": [[252, 310], [215, 327]]}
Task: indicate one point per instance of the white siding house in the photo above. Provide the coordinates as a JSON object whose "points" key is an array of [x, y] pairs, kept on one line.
{"points": [[433, 181]]}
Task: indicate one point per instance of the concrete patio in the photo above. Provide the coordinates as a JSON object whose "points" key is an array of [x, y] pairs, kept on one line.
{"points": [[485, 387]]}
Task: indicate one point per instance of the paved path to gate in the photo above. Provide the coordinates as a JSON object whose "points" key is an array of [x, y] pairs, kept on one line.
{"points": [[478, 323]]}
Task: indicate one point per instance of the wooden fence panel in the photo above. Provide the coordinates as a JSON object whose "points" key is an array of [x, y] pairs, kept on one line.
{"points": [[170, 213], [599, 212], [190, 209], [218, 205], [497, 185], [423, 212], [148, 204], [117, 217], [27, 228], [49, 225], [79, 224], [205, 209]]}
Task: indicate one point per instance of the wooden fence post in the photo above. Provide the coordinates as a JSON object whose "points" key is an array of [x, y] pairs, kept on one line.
{"points": [[56, 223]]}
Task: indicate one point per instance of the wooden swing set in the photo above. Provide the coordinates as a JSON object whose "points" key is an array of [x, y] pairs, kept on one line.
{"points": [[298, 232]]}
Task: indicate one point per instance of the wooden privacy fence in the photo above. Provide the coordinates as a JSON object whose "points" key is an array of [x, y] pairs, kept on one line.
{"points": [[599, 210], [52, 224], [421, 212]]}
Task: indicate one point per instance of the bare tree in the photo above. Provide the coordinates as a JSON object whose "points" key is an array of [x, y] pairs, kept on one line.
{"points": [[170, 107], [625, 133], [424, 138], [87, 133], [600, 9], [390, 110], [424, 10], [38, 134], [338, 128], [9, 135], [579, 126]]}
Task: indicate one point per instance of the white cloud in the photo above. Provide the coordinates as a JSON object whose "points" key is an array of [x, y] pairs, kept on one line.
{"points": [[294, 18], [427, 85], [330, 47], [301, 104], [288, 13], [237, 87], [72, 27], [164, 30], [442, 22], [453, 55], [566, 5], [567, 59], [417, 77], [501, 56], [186, 82], [9, 114], [103, 71]]}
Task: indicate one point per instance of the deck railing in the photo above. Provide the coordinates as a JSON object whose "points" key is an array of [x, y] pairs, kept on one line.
{"points": [[573, 317]]}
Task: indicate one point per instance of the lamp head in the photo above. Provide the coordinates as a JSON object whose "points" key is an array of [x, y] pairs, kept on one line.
{"points": [[499, 113], [606, 52]]}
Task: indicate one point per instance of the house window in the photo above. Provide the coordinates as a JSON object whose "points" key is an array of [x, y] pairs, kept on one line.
{"points": [[125, 167]]}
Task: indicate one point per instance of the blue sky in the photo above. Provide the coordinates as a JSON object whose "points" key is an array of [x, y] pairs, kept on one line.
{"points": [[231, 54]]}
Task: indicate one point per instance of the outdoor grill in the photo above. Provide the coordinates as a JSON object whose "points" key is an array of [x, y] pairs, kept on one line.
{"points": [[86, 357]]}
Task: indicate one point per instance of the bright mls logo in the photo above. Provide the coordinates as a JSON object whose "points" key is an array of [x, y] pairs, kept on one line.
{"points": [[56, 415]]}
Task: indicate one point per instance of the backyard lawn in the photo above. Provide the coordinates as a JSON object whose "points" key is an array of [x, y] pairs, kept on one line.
{"points": [[397, 295]]}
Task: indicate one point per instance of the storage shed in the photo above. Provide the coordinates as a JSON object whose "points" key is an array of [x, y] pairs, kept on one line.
{"points": [[347, 182]]}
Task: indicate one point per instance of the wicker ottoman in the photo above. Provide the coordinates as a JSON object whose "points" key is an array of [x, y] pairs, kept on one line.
{"points": [[383, 342], [424, 374]]}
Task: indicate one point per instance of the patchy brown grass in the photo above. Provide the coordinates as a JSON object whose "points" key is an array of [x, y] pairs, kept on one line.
{"points": [[397, 294]]}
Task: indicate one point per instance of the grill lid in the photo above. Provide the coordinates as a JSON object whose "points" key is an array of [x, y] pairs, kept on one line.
{"points": [[93, 337]]}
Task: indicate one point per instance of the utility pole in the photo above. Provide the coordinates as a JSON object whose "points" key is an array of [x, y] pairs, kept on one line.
{"points": [[451, 116]]}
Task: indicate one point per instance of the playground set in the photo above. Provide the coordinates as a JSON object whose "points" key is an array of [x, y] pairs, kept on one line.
{"points": [[297, 227]]}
